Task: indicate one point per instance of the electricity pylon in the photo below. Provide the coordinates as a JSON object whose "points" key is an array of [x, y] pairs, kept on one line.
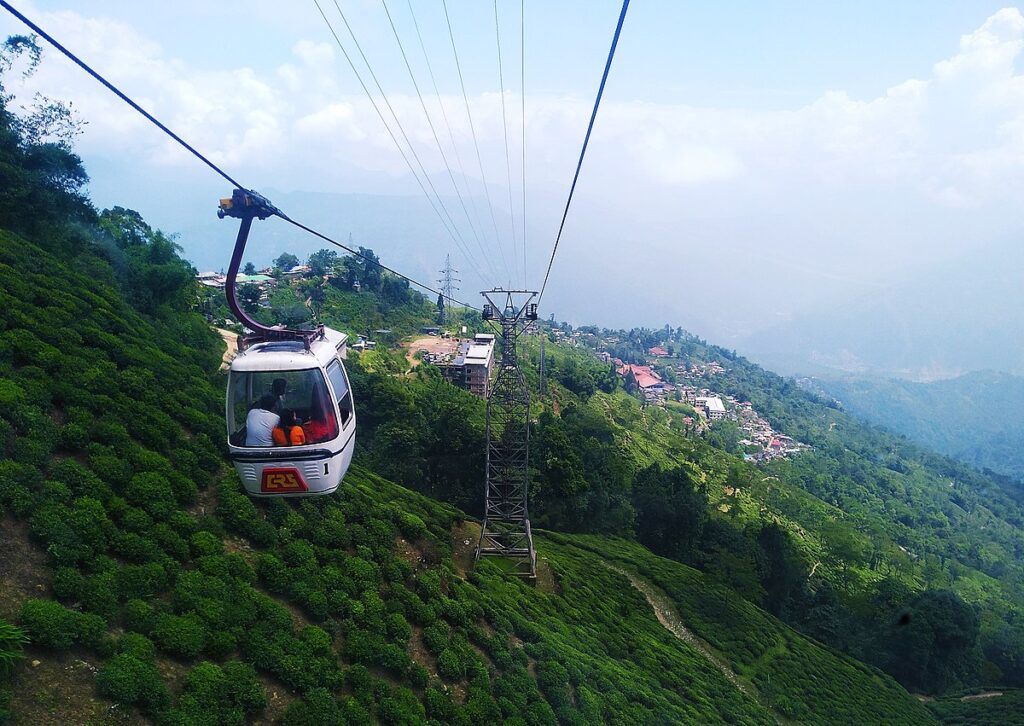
{"points": [[448, 289], [506, 530]]}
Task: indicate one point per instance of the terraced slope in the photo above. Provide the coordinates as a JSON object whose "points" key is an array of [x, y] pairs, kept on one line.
{"points": [[153, 589]]}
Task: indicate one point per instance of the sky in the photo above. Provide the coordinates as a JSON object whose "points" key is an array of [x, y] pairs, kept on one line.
{"points": [[751, 161]]}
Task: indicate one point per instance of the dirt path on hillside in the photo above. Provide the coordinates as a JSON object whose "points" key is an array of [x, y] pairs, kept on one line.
{"points": [[667, 615], [977, 696], [231, 339]]}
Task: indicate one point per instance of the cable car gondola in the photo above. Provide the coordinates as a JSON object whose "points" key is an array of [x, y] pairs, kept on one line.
{"points": [[291, 420]]}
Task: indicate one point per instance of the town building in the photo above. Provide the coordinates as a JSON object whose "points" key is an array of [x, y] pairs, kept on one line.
{"points": [[472, 366], [713, 407], [212, 279], [646, 378]]}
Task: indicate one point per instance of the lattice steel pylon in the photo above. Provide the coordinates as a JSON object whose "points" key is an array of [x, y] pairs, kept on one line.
{"points": [[448, 289], [506, 529]]}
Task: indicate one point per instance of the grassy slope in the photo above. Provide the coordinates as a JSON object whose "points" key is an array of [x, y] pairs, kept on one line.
{"points": [[803, 680], [868, 515], [348, 607], [998, 707]]}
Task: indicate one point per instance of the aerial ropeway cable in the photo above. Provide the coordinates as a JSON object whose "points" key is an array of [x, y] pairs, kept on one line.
{"points": [[447, 122], [290, 413], [504, 126], [204, 159], [522, 108], [437, 140], [586, 140], [476, 145], [423, 183]]}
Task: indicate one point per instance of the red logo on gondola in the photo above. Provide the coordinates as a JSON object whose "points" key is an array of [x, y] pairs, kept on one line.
{"points": [[282, 481]]}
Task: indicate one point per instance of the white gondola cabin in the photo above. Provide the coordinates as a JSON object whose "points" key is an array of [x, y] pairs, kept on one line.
{"points": [[290, 415]]}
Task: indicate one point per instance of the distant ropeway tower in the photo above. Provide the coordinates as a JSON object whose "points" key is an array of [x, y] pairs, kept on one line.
{"points": [[506, 529], [447, 281]]}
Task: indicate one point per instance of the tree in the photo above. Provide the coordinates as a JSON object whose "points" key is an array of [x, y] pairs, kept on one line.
{"points": [[321, 262], [249, 269], [286, 261], [249, 295], [41, 179], [317, 296], [47, 122], [932, 642], [291, 314], [670, 511], [369, 269], [783, 569], [146, 261]]}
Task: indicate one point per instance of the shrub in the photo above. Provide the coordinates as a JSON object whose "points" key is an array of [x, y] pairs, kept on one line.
{"points": [[12, 639], [220, 644], [73, 437], [138, 646], [242, 687], [411, 526], [67, 583], [152, 492], [205, 543], [49, 623], [181, 635], [136, 548], [139, 615], [92, 631], [136, 520], [318, 707], [140, 581], [130, 680], [401, 707], [99, 594], [435, 637], [397, 628], [170, 541], [273, 572], [450, 665], [218, 695]]}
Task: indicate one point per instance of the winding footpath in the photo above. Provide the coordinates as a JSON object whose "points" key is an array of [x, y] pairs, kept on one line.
{"points": [[666, 613]]}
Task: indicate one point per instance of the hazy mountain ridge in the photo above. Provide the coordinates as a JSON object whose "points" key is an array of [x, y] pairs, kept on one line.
{"points": [[975, 418], [965, 315]]}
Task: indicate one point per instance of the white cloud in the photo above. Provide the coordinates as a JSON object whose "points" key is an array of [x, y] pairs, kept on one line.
{"points": [[941, 157]]}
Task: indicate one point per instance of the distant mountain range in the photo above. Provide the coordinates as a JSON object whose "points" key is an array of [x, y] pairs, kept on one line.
{"points": [[962, 316], [975, 418]]}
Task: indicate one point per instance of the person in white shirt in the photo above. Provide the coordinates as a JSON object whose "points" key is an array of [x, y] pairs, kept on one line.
{"points": [[260, 423]]}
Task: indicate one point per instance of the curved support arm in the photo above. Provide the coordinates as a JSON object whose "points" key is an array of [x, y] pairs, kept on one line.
{"points": [[231, 285], [246, 206]]}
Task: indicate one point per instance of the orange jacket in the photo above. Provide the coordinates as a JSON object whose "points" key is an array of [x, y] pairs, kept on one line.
{"points": [[297, 436]]}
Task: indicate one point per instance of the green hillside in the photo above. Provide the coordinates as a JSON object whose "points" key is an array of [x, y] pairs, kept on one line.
{"points": [[888, 553], [678, 583], [189, 603]]}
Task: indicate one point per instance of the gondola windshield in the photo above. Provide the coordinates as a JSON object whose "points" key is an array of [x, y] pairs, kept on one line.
{"points": [[260, 400]]}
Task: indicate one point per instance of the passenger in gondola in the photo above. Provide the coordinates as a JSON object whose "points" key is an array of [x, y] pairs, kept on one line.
{"points": [[260, 422], [322, 425], [278, 388], [288, 432]]}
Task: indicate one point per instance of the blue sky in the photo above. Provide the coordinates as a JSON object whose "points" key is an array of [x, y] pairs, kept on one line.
{"points": [[723, 53], [751, 161]]}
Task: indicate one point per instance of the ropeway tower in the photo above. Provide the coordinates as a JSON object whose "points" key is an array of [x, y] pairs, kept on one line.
{"points": [[506, 529], [448, 289]]}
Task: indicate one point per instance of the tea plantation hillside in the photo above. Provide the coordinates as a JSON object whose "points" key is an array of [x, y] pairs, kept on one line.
{"points": [[150, 588]]}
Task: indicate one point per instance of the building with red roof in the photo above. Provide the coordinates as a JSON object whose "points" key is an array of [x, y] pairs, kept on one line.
{"points": [[645, 377]]}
